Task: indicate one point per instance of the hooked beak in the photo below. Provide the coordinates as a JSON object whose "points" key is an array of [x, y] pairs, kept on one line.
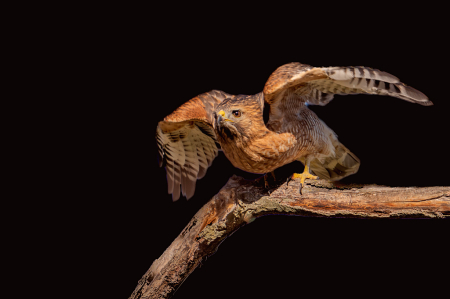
{"points": [[221, 116]]}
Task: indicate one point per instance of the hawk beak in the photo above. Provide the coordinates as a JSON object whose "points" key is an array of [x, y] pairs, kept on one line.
{"points": [[222, 116]]}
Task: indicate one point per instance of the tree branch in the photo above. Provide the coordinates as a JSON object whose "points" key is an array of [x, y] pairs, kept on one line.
{"points": [[240, 202]]}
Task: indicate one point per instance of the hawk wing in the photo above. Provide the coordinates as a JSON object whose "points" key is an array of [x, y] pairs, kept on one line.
{"points": [[318, 85], [187, 143]]}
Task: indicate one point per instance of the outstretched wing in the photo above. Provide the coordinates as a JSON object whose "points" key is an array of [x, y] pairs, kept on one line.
{"points": [[186, 142], [318, 85]]}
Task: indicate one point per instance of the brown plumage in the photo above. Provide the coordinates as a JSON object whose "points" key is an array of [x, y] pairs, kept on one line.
{"points": [[189, 138]]}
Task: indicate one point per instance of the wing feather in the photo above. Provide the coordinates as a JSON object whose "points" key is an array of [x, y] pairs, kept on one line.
{"points": [[187, 144], [317, 86], [352, 72]]}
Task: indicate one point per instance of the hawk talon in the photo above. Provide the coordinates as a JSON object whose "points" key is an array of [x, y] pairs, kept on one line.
{"points": [[303, 176], [288, 180]]}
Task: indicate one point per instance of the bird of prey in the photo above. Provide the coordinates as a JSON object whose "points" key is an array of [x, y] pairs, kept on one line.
{"points": [[189, 138]]}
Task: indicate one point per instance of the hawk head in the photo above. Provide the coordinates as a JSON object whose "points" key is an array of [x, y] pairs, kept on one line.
{"points": [[238, 118]]}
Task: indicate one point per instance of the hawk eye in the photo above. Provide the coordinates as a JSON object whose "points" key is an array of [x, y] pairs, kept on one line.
{"points": [[236, 113]]}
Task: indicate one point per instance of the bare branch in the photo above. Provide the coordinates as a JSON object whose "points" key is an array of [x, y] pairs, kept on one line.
{"points": [[240, 202]]}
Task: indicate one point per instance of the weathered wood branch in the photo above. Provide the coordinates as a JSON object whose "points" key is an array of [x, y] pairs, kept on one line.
{"points": [[240, 202]]}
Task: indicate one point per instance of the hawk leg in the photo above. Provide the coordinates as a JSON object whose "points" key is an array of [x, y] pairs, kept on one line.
{"points": [[303, 176], [266, 181]]}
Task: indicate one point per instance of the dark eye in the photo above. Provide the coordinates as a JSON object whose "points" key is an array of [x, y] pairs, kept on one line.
{"points": [[236, 113]]}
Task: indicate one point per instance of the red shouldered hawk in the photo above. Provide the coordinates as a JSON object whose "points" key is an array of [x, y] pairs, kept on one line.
{"points": [[189, 138]]}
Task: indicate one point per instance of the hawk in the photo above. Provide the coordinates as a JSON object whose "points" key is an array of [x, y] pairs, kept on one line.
{"points": [[189, 138]]}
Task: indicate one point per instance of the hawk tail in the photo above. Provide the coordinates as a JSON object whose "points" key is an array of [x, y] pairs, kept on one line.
{"points": [[343, 164]]}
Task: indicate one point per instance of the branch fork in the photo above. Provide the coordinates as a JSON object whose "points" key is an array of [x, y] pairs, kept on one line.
{"points": [[241, 201]]}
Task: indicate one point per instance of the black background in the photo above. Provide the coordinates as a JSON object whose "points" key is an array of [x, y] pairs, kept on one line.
{"points": [[399, 144]]}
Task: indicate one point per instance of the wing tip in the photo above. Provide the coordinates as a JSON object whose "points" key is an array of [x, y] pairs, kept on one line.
{"points": [[414, 94], [426, 103]]}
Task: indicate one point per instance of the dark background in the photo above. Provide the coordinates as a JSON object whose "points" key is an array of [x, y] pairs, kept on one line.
{"points": [[399, 144]]}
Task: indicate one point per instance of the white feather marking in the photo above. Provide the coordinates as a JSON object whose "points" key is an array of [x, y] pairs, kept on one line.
{"points": [[347, 73]]}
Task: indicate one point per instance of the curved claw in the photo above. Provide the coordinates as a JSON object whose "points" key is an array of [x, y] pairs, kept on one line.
{"points": [[288, 180], [303, 176]]}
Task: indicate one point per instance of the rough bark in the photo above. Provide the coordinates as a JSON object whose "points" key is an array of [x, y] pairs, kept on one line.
{"points": [[240, 202]]}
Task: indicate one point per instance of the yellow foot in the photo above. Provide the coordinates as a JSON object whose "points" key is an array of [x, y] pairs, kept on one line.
{"points": [[303, 176]]}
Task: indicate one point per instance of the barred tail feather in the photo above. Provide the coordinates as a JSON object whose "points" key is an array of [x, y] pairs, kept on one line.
{"points": [[343, 164]]}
